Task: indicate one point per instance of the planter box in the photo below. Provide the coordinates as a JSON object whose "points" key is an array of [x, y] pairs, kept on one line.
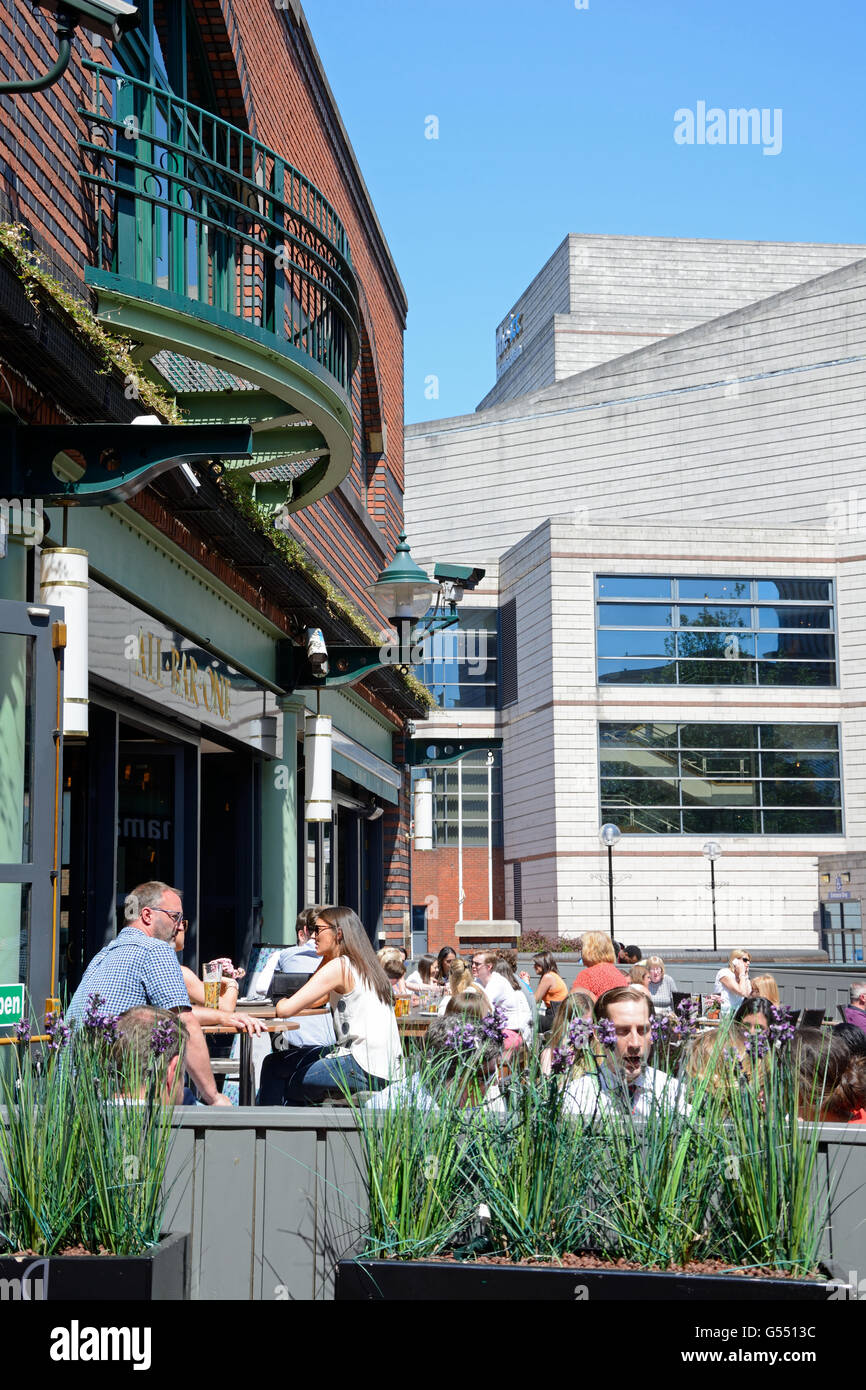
{"points": [[396, 1280], [160, 1275]]}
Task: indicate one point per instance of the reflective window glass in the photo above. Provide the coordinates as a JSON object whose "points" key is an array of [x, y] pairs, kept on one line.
{"points": [[726, 792], [709, 763], [718, 736], [638, 735], [710, 616], [631, 586], [793, 646], [795, 617], [800, 764], [639, 820], [717, 672], [799, 736], [722, 646], [721, 821], [633, 671], [634, 615], [798, 590], [819, 821], [649, 642], [796, 673], [733, 590], [640, 763], [801, 792], [641, 792]]}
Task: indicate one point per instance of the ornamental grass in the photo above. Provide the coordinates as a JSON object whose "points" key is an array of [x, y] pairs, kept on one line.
{"points": [[84, 1142], [719, 1170]]}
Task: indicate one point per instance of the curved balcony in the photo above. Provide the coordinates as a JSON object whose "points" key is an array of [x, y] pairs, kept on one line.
{"points": [[234, 275]]}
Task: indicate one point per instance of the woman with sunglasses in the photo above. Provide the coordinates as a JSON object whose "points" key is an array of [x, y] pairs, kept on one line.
{"points": [[732, 982], [367, 1054]]}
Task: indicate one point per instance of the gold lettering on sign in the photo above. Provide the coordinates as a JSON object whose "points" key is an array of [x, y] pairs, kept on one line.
{"points": [[181, 675]]}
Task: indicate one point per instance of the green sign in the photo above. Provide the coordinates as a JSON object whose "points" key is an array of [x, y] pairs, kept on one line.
{"points": [[11, 1005]]}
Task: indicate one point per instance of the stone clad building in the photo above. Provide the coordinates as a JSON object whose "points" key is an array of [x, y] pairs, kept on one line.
{"points": [[675, 541]]}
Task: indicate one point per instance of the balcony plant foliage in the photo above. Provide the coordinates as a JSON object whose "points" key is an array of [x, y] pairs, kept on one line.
{"points": [[85, 1143], [723, 1172]]}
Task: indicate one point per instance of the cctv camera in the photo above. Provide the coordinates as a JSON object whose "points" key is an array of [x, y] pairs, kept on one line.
{"points": [[109, 18], [462, 576], [317, 652]]}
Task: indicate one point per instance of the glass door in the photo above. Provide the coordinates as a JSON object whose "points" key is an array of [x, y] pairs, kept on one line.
{"points": [[30, 775]]}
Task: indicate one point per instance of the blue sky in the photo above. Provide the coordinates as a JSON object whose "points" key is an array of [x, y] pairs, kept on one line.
{"points": [[554, 119]]}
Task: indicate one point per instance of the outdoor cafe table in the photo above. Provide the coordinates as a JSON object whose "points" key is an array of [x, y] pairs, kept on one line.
{"points": [[271, 1024], [413, 1026]]}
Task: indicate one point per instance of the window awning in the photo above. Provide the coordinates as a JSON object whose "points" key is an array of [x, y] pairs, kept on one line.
{"points": [[366, 768]]}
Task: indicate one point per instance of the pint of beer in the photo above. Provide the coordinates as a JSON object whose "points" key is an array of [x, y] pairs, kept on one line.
{"points": [[213, 974]]}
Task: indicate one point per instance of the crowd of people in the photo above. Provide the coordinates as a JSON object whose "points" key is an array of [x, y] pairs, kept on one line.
{"points": [[493, 1022]]}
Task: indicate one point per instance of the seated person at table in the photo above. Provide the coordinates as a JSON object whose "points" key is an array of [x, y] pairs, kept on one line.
{"points": [[855, 1012], [422, 974], [756, 1013], [367, 1054], [304, 959], [660, 985], [460, 982], [391, 962], [766, 987], [623, 1081], [599, 959], [149, 1044]]}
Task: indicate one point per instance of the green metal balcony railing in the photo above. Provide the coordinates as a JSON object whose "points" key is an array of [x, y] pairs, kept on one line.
{"points": [[217, 225]]}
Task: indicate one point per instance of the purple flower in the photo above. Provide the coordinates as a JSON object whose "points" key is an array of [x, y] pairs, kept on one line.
{"points": [[606, 1032], [781, 1029], [22, 1031], [163, 1037], [758, 1045], [102, 1024], [58, 1032]]}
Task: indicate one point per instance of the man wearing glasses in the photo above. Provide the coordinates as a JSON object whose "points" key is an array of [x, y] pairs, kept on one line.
{"points": [[140, 967]]}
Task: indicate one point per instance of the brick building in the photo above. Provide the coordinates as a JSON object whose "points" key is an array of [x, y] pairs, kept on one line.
{"points": [[193, 186]]}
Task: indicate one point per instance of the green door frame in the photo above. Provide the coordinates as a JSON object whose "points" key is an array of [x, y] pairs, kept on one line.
{"points": [[43, 676]]}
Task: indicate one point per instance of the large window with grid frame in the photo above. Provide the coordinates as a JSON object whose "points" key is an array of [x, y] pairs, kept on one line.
{"points": [[658, 630], [721, 779]]}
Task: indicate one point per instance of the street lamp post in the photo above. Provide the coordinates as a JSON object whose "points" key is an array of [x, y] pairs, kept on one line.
{"points": [[712, 850], [609, 834]]}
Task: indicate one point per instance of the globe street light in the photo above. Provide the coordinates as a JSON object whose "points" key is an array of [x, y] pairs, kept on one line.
{"points": [[712, 851], [609, 834]]}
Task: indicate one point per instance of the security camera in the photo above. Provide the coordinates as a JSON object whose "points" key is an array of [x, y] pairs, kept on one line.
{"points": [[317, 652], [461, 576], [108, 18]]}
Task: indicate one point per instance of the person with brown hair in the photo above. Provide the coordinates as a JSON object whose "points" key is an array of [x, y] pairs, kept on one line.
{"points": [[368, 1045], [551, 987], [639, 976], [600, 972], [832, 1077], [577, 1005], [623, 1079]]}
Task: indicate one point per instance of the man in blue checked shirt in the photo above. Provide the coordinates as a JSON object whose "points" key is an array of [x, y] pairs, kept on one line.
{"points": [[140, 967]]}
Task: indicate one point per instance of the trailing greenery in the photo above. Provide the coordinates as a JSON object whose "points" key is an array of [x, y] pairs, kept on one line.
{"points": [[297, 558], [114, 351], [85, 1144]]}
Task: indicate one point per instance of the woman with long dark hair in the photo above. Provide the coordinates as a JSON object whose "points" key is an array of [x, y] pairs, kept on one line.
{"points": [[368, 1045]]}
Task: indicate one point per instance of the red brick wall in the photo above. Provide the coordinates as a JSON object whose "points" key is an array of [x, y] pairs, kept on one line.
{"points": [[435, 879]]}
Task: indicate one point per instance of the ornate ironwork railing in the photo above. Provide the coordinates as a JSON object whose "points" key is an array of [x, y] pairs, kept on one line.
{"points": [[198, 210]]}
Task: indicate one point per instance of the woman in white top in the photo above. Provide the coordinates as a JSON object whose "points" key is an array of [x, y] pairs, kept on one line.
{"points": [[368, 1045], [732, 982], [518, 1014]]}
